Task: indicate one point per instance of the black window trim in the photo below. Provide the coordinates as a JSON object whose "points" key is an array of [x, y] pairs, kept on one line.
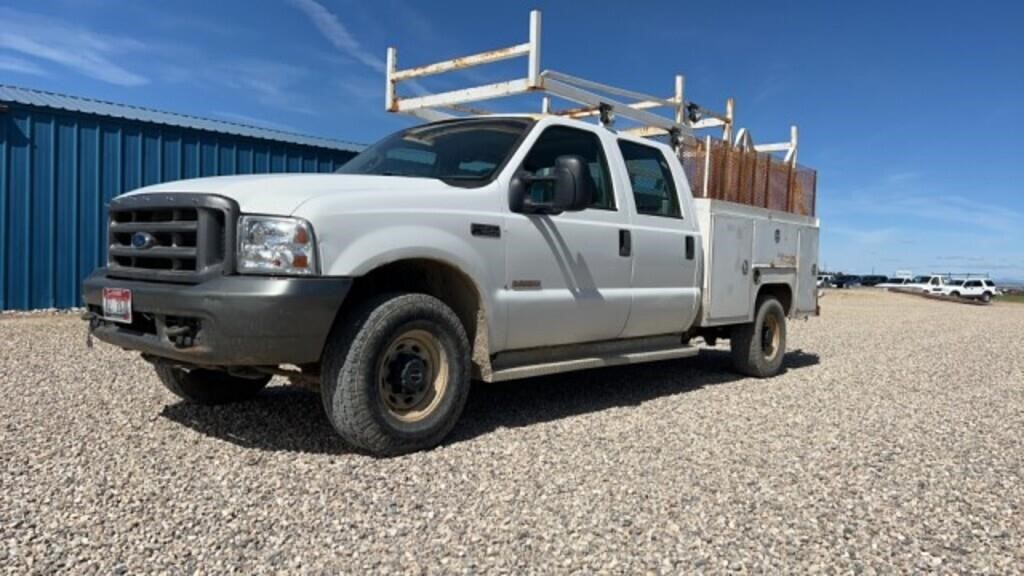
{"points": [[600, 147], [679, 203]]}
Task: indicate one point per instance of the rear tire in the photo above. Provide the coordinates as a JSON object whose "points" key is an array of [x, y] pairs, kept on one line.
{"points": [[758, 347], [955, 294], [986, 297], [396, 374], [202, 386]]}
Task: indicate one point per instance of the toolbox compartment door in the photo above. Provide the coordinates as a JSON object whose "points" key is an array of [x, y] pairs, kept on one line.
{"points": [[806, 281], [732, 249]]}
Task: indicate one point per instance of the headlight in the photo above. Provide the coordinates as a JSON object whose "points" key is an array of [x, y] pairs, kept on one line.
{"points": [[271, 245]]}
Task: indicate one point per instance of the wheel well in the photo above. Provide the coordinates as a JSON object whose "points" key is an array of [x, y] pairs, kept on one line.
{"points": [[781, 292], [440, 280]]}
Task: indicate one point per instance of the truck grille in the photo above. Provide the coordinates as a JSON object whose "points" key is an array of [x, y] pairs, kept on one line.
{"points": [[170, 237]]}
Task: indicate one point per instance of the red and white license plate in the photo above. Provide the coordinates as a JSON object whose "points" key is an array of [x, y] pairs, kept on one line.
{"points": [[117, 305]]}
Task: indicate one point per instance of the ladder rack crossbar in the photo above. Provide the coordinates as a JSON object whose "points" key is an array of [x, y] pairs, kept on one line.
{"points": [[478, 59], [591, 85]]}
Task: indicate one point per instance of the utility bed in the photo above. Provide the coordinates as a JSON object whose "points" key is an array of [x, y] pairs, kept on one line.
{"points": [[745, 243]]}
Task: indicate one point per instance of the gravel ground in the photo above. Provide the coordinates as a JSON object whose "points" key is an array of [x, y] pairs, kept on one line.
{"points": [[891, 444]]}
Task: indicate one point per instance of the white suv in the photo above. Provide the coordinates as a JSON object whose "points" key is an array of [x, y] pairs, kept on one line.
{"points": [[982, 289]]}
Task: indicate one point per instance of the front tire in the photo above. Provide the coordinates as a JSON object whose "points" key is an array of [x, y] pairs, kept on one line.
{"points": [[396, 374], [202, 386], [955, 294], [758, 347]]}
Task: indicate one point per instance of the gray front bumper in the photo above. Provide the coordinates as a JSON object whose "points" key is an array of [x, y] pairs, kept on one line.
{"points": [[239, 320]]}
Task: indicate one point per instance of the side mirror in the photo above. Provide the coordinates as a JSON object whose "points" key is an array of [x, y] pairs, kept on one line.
{"points": [[571, 188]]}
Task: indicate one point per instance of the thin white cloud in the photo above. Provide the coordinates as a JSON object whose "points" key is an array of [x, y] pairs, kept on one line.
{"points": [[20, 65], [867, 236], [270, 83], [254, 121], [334, 31], [332, 28], [90, 54], [907, 194]]}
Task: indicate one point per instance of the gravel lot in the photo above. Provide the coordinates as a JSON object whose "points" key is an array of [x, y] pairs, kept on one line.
{"points": [[891, 444]]}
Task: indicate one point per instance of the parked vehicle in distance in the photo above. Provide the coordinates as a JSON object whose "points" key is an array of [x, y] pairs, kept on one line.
{"points": [[824, 280], [845, 281], [899, 282], [932, 284], [981, 288], [872, 280], [494, 248]]}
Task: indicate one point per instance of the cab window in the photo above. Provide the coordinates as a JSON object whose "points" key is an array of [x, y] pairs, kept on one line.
{"points": [[558, 141], [654, 189]]}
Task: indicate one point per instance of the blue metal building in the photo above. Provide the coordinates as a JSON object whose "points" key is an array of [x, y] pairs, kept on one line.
{"points": [[63, 158]]}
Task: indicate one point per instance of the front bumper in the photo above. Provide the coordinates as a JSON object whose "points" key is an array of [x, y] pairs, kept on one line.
{"points": [[224, 321]]}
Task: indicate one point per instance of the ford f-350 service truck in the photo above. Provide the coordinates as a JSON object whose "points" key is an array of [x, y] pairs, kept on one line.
{"points": [[489, 248]]}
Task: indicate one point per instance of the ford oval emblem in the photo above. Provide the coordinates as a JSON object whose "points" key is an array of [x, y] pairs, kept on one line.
{"points": [[143, 240]]}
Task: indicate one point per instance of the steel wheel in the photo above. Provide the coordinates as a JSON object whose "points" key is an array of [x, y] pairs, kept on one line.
{"points": [[770, 338], [413, 375]]}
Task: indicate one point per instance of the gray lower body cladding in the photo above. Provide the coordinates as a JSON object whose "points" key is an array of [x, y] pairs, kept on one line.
{"points": [[224, 321]]}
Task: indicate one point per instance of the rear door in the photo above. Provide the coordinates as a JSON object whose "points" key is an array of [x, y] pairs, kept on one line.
{"points": [[665, 242]]}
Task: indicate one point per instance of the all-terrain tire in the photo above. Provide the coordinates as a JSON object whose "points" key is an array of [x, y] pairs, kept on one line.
{"points": [[357, 385], [751, 354], [986, 297], [202, 386]]}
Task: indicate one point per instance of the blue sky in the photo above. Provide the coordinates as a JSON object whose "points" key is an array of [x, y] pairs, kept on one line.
{"points": [[907, 109]]}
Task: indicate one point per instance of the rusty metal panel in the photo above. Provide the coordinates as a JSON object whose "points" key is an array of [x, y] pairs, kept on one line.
{"points": [[759, 186], [749, 177], [804, 180], [778, 186]]}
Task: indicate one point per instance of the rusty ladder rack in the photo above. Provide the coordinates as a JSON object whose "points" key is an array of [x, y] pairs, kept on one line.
{"points": [[595, 99]]}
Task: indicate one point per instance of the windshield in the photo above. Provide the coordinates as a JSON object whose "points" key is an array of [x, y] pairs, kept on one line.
{"points": [[460, 152]]}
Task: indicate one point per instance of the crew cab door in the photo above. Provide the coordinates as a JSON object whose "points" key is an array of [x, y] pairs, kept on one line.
{"points": [[567, 275], [666, 242]]}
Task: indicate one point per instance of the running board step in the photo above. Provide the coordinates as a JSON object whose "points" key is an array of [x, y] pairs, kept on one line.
{"points": [[531, 370]]}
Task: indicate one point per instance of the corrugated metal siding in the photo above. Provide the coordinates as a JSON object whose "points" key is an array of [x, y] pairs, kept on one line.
{"points": [[58, 171], [76, 104]]}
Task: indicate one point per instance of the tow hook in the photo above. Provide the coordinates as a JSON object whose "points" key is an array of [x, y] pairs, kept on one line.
{"points": [[94, 321], [182, 336]]}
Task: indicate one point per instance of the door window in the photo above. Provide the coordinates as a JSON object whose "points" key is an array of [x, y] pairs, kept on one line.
{"points": [[564, 141], [654, 189]]}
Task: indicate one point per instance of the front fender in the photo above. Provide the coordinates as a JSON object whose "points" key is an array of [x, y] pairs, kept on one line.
{"points": [[354, 247]]}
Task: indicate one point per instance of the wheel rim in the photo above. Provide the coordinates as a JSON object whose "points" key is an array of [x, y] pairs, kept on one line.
{"points": [[771, 336], [413, 375]]}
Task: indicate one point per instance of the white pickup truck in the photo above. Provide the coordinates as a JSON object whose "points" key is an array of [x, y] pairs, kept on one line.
{"points": [[491, 248], [487, 248]]}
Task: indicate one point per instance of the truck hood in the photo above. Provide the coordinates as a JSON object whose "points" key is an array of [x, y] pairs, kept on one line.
{"points": [[282, 194]]}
